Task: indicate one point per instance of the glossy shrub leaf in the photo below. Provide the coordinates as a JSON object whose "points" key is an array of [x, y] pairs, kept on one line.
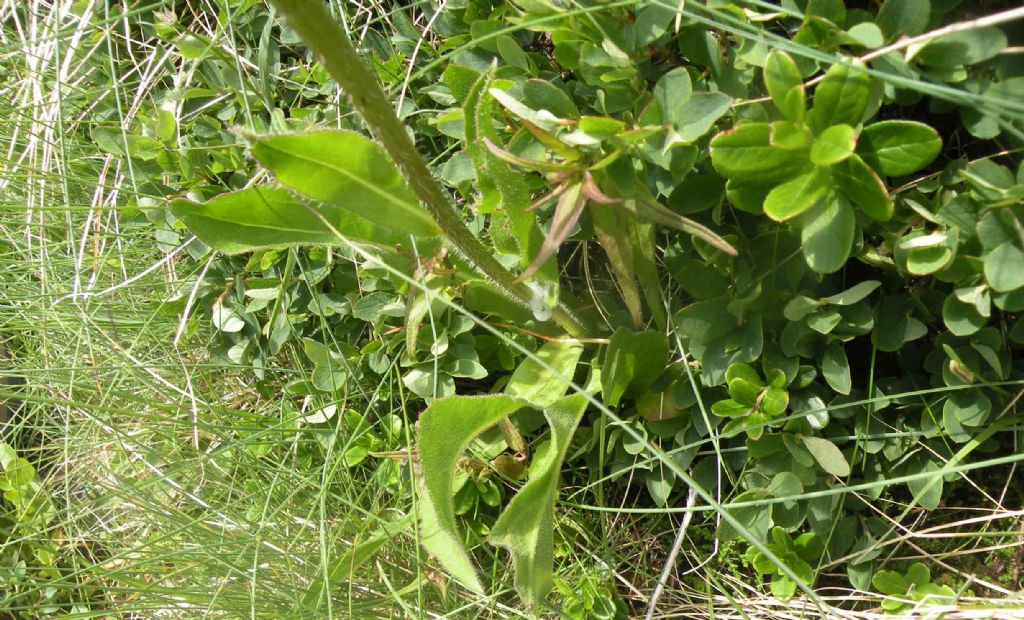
{"points": [[922, 253], [962, 319], [785, 85], [826, 234], [269, 217], [746, 154], [862, 186], [526, 526], [797, 195], [855, 293], [828, 456], [671, 93], [836, 368], [897, 148], [833, 145], [532, 382], [899, 18], [963, 48], [755, 519], [1004, 267], [841, 98], [346, 170], [700, 113], [928, 489], [446, 428], [790, 136]]}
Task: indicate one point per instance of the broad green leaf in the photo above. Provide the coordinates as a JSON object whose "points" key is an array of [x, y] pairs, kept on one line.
{"points": [[526, 526], [867, 34], [928, 490], [862, 186], [267, 217], [826, 234], [899, 18], [833, 145], [919, 575], [1004, 267], [853, 294], [922, 254], [671, 93], [836, 368], [898, 148], [745, 154], [796, 196], [799, 307], [534, 383], [756, 519], [828, 456], [446, 428], [967, 408], [785, 85], [744, 392], [962, 48], [890, 582], [774, 401], [790, 136], [632, 362], [543, 95], [729, 408], [841, 98], [961, 319], [346, 170], [700, 113]]}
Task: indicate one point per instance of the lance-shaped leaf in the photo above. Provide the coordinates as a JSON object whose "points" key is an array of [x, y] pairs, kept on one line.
{"points": [[266, 216], [533, 382], [347, 170], [446, 428], [654, 212], [526, 526]]}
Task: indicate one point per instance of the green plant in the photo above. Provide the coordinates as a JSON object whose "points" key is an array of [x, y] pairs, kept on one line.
{"points": [[593, 256]]}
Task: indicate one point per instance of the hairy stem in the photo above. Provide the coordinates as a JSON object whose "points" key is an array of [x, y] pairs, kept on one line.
{"points": [[320, 32]]}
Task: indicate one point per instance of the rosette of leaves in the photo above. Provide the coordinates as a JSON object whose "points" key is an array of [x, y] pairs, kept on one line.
{"points": [[821, 168]]}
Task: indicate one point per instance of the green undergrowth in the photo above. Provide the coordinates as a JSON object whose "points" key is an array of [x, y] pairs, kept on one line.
{"points": [[688, 309]]}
